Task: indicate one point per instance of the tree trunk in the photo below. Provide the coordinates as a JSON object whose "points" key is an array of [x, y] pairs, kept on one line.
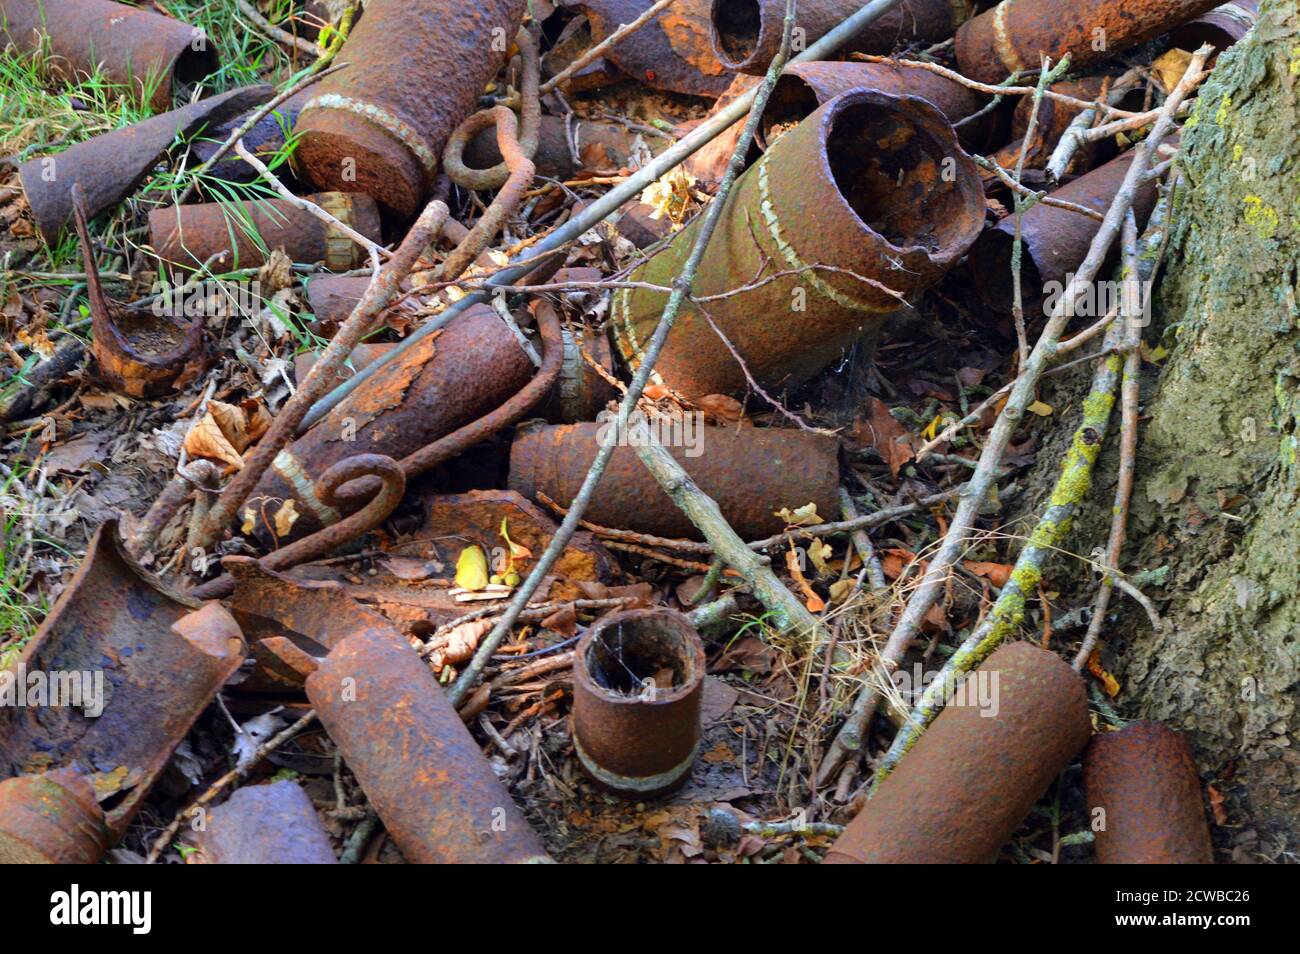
{"points": [[1218, 494]]}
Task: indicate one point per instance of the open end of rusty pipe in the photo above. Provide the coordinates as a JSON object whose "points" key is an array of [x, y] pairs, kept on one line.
{"points": [[743, 38]]}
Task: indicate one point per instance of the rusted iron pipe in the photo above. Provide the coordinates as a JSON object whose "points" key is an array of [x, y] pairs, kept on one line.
{"points": [[188, 235], [417, 763], [1221, 27], [51, 819], [638, 679], [415, 69], [803, 87], [968, 783], [581, 392], [1144, 798], [1055, 240], [751, 472], [161, 659], [1014, 35], [860, 207], [747, 33], [264, 140], [554, 159], [272, 824], [129, 46]]}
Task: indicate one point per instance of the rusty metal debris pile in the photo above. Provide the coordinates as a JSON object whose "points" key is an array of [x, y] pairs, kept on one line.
{"points": [[375, 322]]}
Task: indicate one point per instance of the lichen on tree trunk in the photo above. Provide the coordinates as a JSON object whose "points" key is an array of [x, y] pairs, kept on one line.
{"points": [[1218, 494]]}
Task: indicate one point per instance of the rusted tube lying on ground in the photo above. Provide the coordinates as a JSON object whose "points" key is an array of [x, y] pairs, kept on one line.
{"points": [[188, 235], [417, 763], [1221, 27], [264, 140], [1055, 240], [751, 472], [1144, 798], [131, 46], [607, 145], [51, 819], [415, 69], [446, 382], [870, 183], [111, 166], [638, 678], [747, 33], [1015, 34], [803, 87], [968, 783], [671, 52], [272, 824], [582, 392], [160, 661]]}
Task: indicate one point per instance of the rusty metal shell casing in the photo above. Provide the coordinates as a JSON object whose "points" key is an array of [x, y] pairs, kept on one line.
{"points": [[633, 735], [51, 819], [582, 392], [272, 824], [131, 46], [415, 69], [264, 140], [161, 662], [188, 235], [972, 777], [802, 87], [417, 763], [446, 381], [1014, 35], [110, 167], [870, 183], [1221, 27], [672, 52], [610, 143], [1144, 779], [1055, 240], [747, 33], [751, 472]]}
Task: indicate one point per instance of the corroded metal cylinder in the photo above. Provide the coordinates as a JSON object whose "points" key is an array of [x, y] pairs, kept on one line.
{"points": [[137, 48], [803, 87], [747, 33], [51, 819], [601, 145], [1014, 35], [417, 763], [272, 824], [264, 140], [1055, 240], [869, 186], [582, 392], [1144, 798], [446, 381], [1221, 27], [638, 678], [415, 69], [188, 235], [751, 472], [974, 774]]}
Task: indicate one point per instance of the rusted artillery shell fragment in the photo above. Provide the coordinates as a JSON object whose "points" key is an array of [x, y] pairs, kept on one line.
{"points": [[871, 184], [1014, 35], [1144, 779], [188, 235], [139, 354], [1056, 240], [638, 678], [161, 664], [803, 87], [415, 69], [671, 52], [51, 819], [1221, 27], [419, 766], [603, 146], [972, 777], [110, 167], [272, 824], [130, 46], [747, 33], [264, 140], [445, 382], [582, 392], [750, 472]]}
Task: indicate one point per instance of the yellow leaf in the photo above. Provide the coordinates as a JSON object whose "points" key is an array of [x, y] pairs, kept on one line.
{"points": [[472, 569], [805, 516], [841, 589], [1108, 682], [1153, 355], [819, 552], [206, 439], [1170, 66], [1041, 409], [286, 517], [932, 429], [814, 602], [250, 521]]}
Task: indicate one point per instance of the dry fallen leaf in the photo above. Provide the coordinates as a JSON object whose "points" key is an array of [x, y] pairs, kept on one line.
{"points": [[805, 516], [1108, 682], [995, 573], [814, 602], [206, 440], [459, 644], [888, 438], [286, 517], [472, 569], [721, 407]]}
